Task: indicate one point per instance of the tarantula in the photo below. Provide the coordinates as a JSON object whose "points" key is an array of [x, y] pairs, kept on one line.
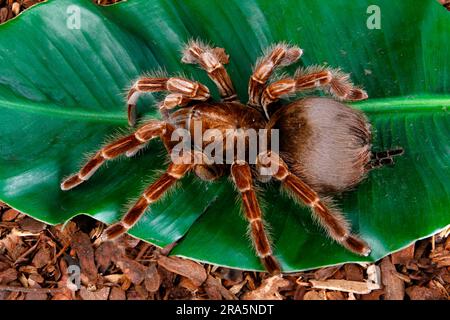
{"points": [[324, 145]]}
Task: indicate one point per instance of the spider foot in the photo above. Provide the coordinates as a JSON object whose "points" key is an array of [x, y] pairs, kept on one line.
{"points": [[71, 182], [271, 264], [356, 245]]}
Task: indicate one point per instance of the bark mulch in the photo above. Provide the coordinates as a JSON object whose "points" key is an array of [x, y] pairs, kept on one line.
{"points": [[37, 261]]}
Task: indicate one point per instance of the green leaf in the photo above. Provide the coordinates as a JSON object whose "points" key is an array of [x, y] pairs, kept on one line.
{"points": [[62, 95]]}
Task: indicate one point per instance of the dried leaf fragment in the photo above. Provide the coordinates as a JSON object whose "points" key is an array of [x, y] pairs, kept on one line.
{"points": [[423, 293], [101, 294], [8, 275], [325, 273], [132, 269], [394, 287], [152, 279], [315, 295], [213, 288], [9, 215], [403, 256], [117, 294], [187, 268], [268, 290], [82, 246]]}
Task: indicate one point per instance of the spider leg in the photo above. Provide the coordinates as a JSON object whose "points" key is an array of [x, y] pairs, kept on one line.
{"points": [[127, 144], [242, 178], [334, 81], [276, 56], [181, 91], [383, 158], [211, 60], [153, 193], [332, 220]]}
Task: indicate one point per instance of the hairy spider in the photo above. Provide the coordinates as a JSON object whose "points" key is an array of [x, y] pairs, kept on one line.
{"points": [[324, 145]]}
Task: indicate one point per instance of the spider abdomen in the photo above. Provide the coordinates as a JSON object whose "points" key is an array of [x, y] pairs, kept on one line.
{"points": [[324, 142]]}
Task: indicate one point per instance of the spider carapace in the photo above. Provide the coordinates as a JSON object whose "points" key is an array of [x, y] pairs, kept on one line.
{"points": [[323, 146]]}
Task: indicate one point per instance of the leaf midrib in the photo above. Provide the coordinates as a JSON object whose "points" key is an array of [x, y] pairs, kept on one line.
{"points": [[432, 103]]}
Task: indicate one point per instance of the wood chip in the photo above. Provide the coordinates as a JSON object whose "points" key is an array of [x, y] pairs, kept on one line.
{"points": [[36, 296], [231, 277], [28, 224], [23, 280], [141, 291], [184, 267], [226, 294], [374, 274], [28, 269], [33, 264], [403, 277], [132, 269], [152, 278], [345, 285], [10, 215], [421, 246], [268, 290], [315, 295], [101, 294], [325, 273], [441, 258], [117, 294], [433, 284], [132, 294], [128, 241], [15, 8], [394, 287], [82, 246], [28, 3], [423, 293], [126, 283], [235, 289], [300, 293], [403, 256], [113, 278], [447, 244], [335, 295], [351, 296], [3, 15], [36, 278], [188, 284], [374, 295], [42, 257], [65, 293], [8, 275], [353, 272], [104, 255], [213, 288]]}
